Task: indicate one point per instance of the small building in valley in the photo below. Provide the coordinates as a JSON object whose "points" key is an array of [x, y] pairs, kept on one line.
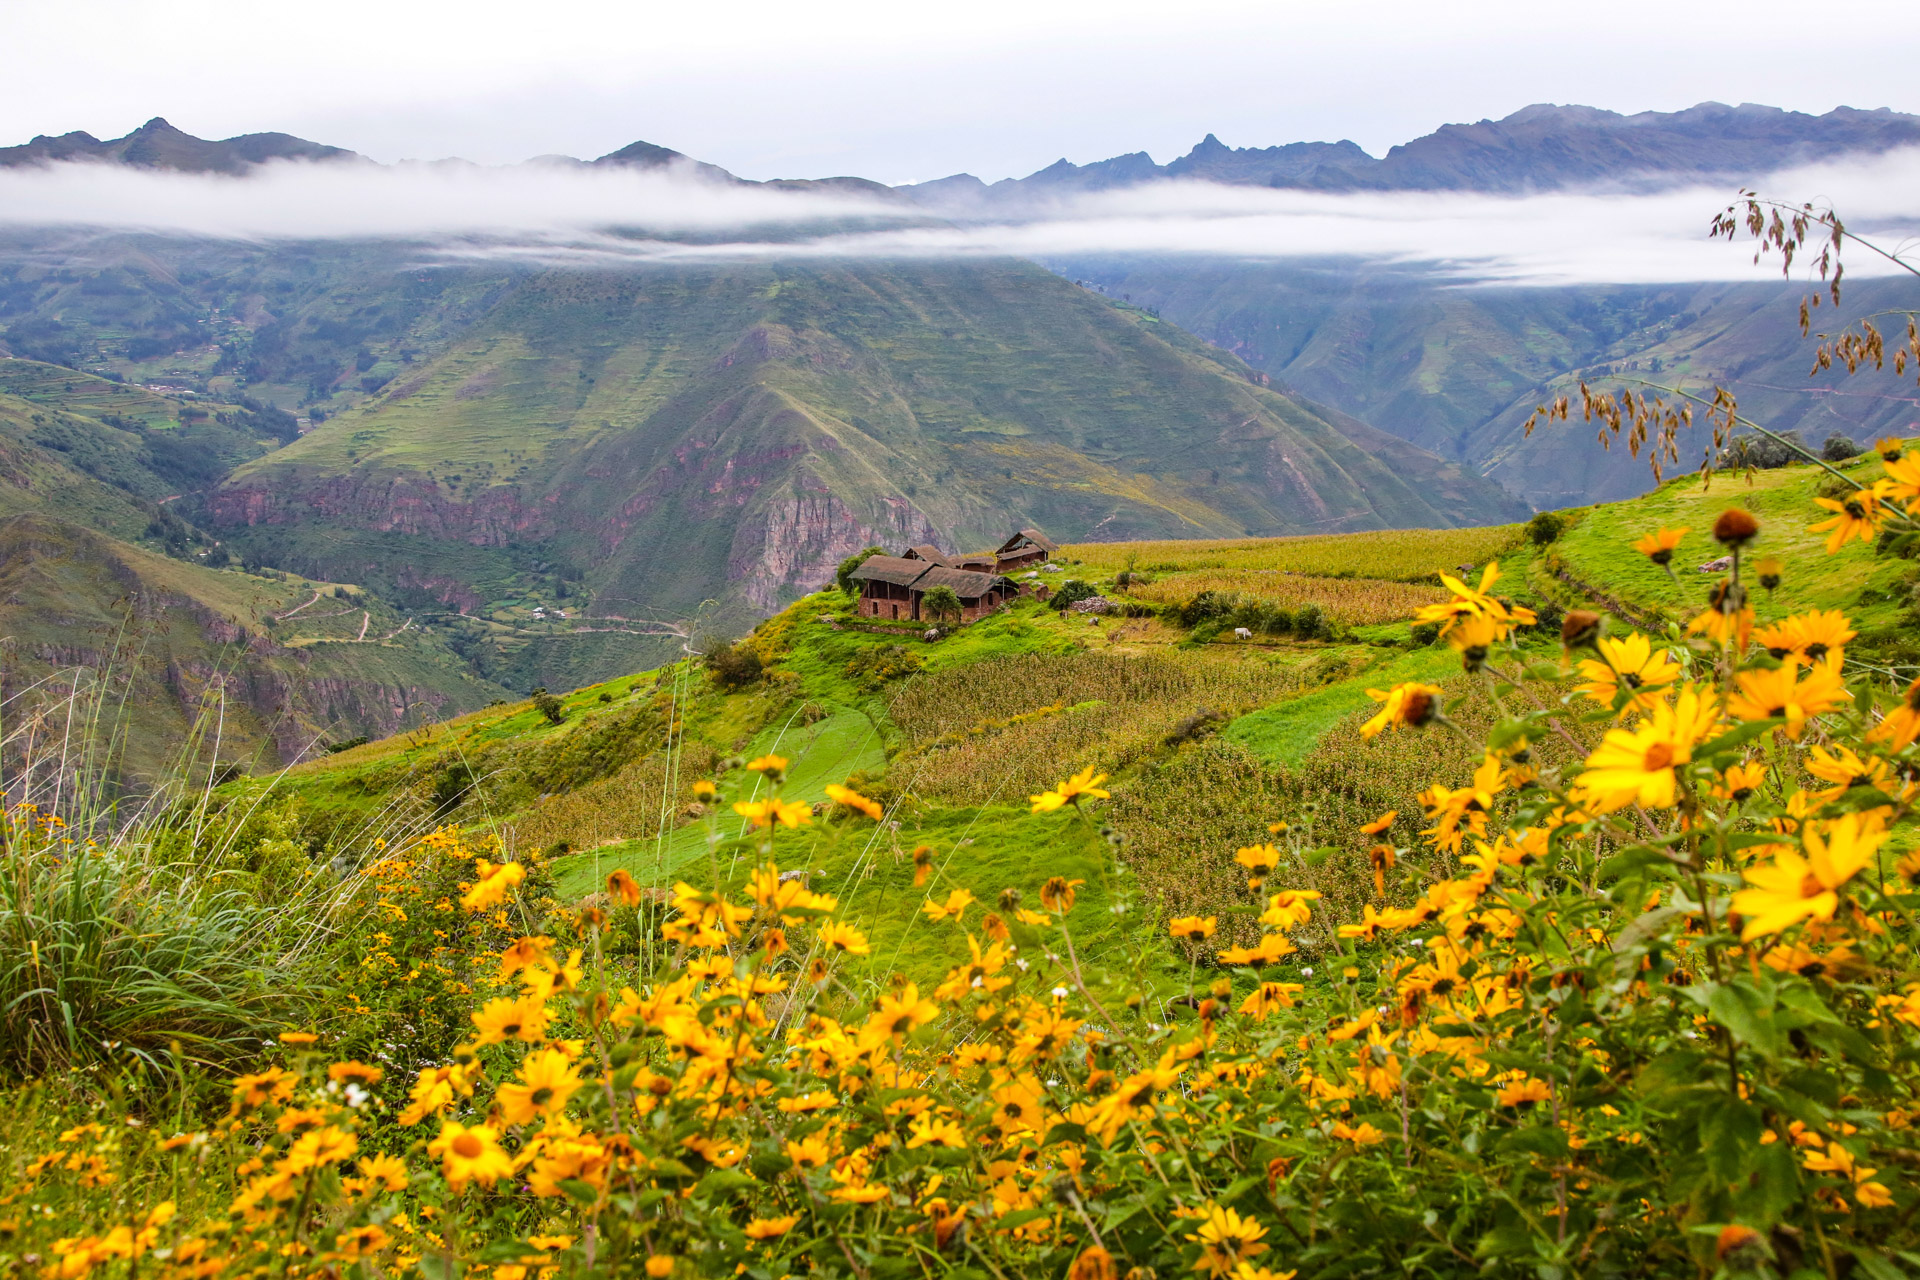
{"points": [[895, 587]]}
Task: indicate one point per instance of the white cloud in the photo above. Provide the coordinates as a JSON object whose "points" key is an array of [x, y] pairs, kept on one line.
{"points": [[578, 216]]}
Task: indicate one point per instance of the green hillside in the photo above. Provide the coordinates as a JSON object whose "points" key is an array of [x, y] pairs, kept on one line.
{"points": [[1202, 731], [666, 437], [1457, 368]]}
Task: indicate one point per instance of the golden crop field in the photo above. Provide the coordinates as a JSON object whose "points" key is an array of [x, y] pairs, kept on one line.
{"points": [[1355, 601], [1404, 555]]}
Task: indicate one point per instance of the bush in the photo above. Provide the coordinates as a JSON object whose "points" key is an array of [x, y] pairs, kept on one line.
{"points": [[1072, 591], [872, 668], [733, 666], [549, 706], [1839, 448], [940, 604], [1546, 527], [1310, 622]]}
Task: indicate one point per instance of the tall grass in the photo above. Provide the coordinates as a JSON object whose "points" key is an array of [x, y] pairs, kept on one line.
{"points": [[1354, 601], [1405, 555], [130, 926]]}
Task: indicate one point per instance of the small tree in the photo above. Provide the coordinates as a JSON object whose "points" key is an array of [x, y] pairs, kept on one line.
{"points": [[1071, 592], [844, 575], [1545, 527], [549, 706], [941, 603]]}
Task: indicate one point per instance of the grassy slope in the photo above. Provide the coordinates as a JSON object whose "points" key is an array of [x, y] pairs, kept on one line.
{"points": [[813, 712]]}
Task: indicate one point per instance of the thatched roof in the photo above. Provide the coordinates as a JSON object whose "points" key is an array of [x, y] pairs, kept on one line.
{"points": [[930, 553], [897, 570], [965, 583], [1033, 536]]}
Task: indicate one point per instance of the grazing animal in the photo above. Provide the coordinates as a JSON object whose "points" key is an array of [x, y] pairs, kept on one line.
{"points": [[1241, 633]]}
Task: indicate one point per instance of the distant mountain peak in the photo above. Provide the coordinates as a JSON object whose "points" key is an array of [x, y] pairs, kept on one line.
{"points": [[158, 144]]}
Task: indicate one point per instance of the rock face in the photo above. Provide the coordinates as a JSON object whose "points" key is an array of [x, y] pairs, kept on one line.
{"points": [[674, 437]]}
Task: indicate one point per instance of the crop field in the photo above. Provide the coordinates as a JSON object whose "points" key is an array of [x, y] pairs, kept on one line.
{"points": [[1402, 555], [1355, 601]]}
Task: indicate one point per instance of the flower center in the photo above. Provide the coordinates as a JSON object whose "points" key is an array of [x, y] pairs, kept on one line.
{"points": [[1659, 756], [467, 1147]]}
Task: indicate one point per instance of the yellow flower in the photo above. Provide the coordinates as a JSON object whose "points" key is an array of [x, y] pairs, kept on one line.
{"points": [[1812, 635], [1269, 996], [1728, 617], [493, 884], [1858, 515], [764, 813], [1636, 766], [1411, 704], [1903, 478], [388, 1172], [501, 1019], [470, 1154], [1658, 547], [1361, 1135], [1474, 602], [1474, 638], [952, 909], [547, 1082], [1226, 1240], [1902, 724], [1288, 908], [1792, 888], [1630, 664], [1273, 947], [1131, 1098], [622, 887], [854, 800], [1780, 694], [360, 1242], [843, 938], [768, 763], [897, 1017], [1082, 785], [1523, 1093], [1018, 1105], [1192, 928], [930, 1130], [770, 1228], [323, 1146], [1057, 894]]}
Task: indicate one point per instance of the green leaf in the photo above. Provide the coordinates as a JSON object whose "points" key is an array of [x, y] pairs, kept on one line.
{"points": [[1877, 1264], [1645, 926], [720, 1182], [580, 1192], [1746, 1015], [1729, 1138]]}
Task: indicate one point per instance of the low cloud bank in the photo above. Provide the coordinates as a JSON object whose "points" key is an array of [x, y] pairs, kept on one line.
{"points": [[563, 214]]}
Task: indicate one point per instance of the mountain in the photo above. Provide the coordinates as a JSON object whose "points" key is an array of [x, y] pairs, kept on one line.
{"points": [[664, 437], [1540, 147], [1457, 370], [158, 145]]}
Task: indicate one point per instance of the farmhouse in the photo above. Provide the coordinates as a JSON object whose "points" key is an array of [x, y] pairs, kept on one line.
{"points": [[894, 587]]}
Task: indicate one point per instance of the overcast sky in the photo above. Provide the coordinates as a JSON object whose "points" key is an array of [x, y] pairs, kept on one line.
{"points": [[905, 92]]}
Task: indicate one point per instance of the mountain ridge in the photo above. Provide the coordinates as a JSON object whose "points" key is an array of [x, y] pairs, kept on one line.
{"points": [[1542, 146]]}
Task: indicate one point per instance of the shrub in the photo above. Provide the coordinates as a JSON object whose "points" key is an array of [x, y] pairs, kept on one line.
{"points": [[1072, 591], [872, 668], [940, 604], [1545, 527], [732, 666], [1839, 448], [844, 574], [549, 706]]}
